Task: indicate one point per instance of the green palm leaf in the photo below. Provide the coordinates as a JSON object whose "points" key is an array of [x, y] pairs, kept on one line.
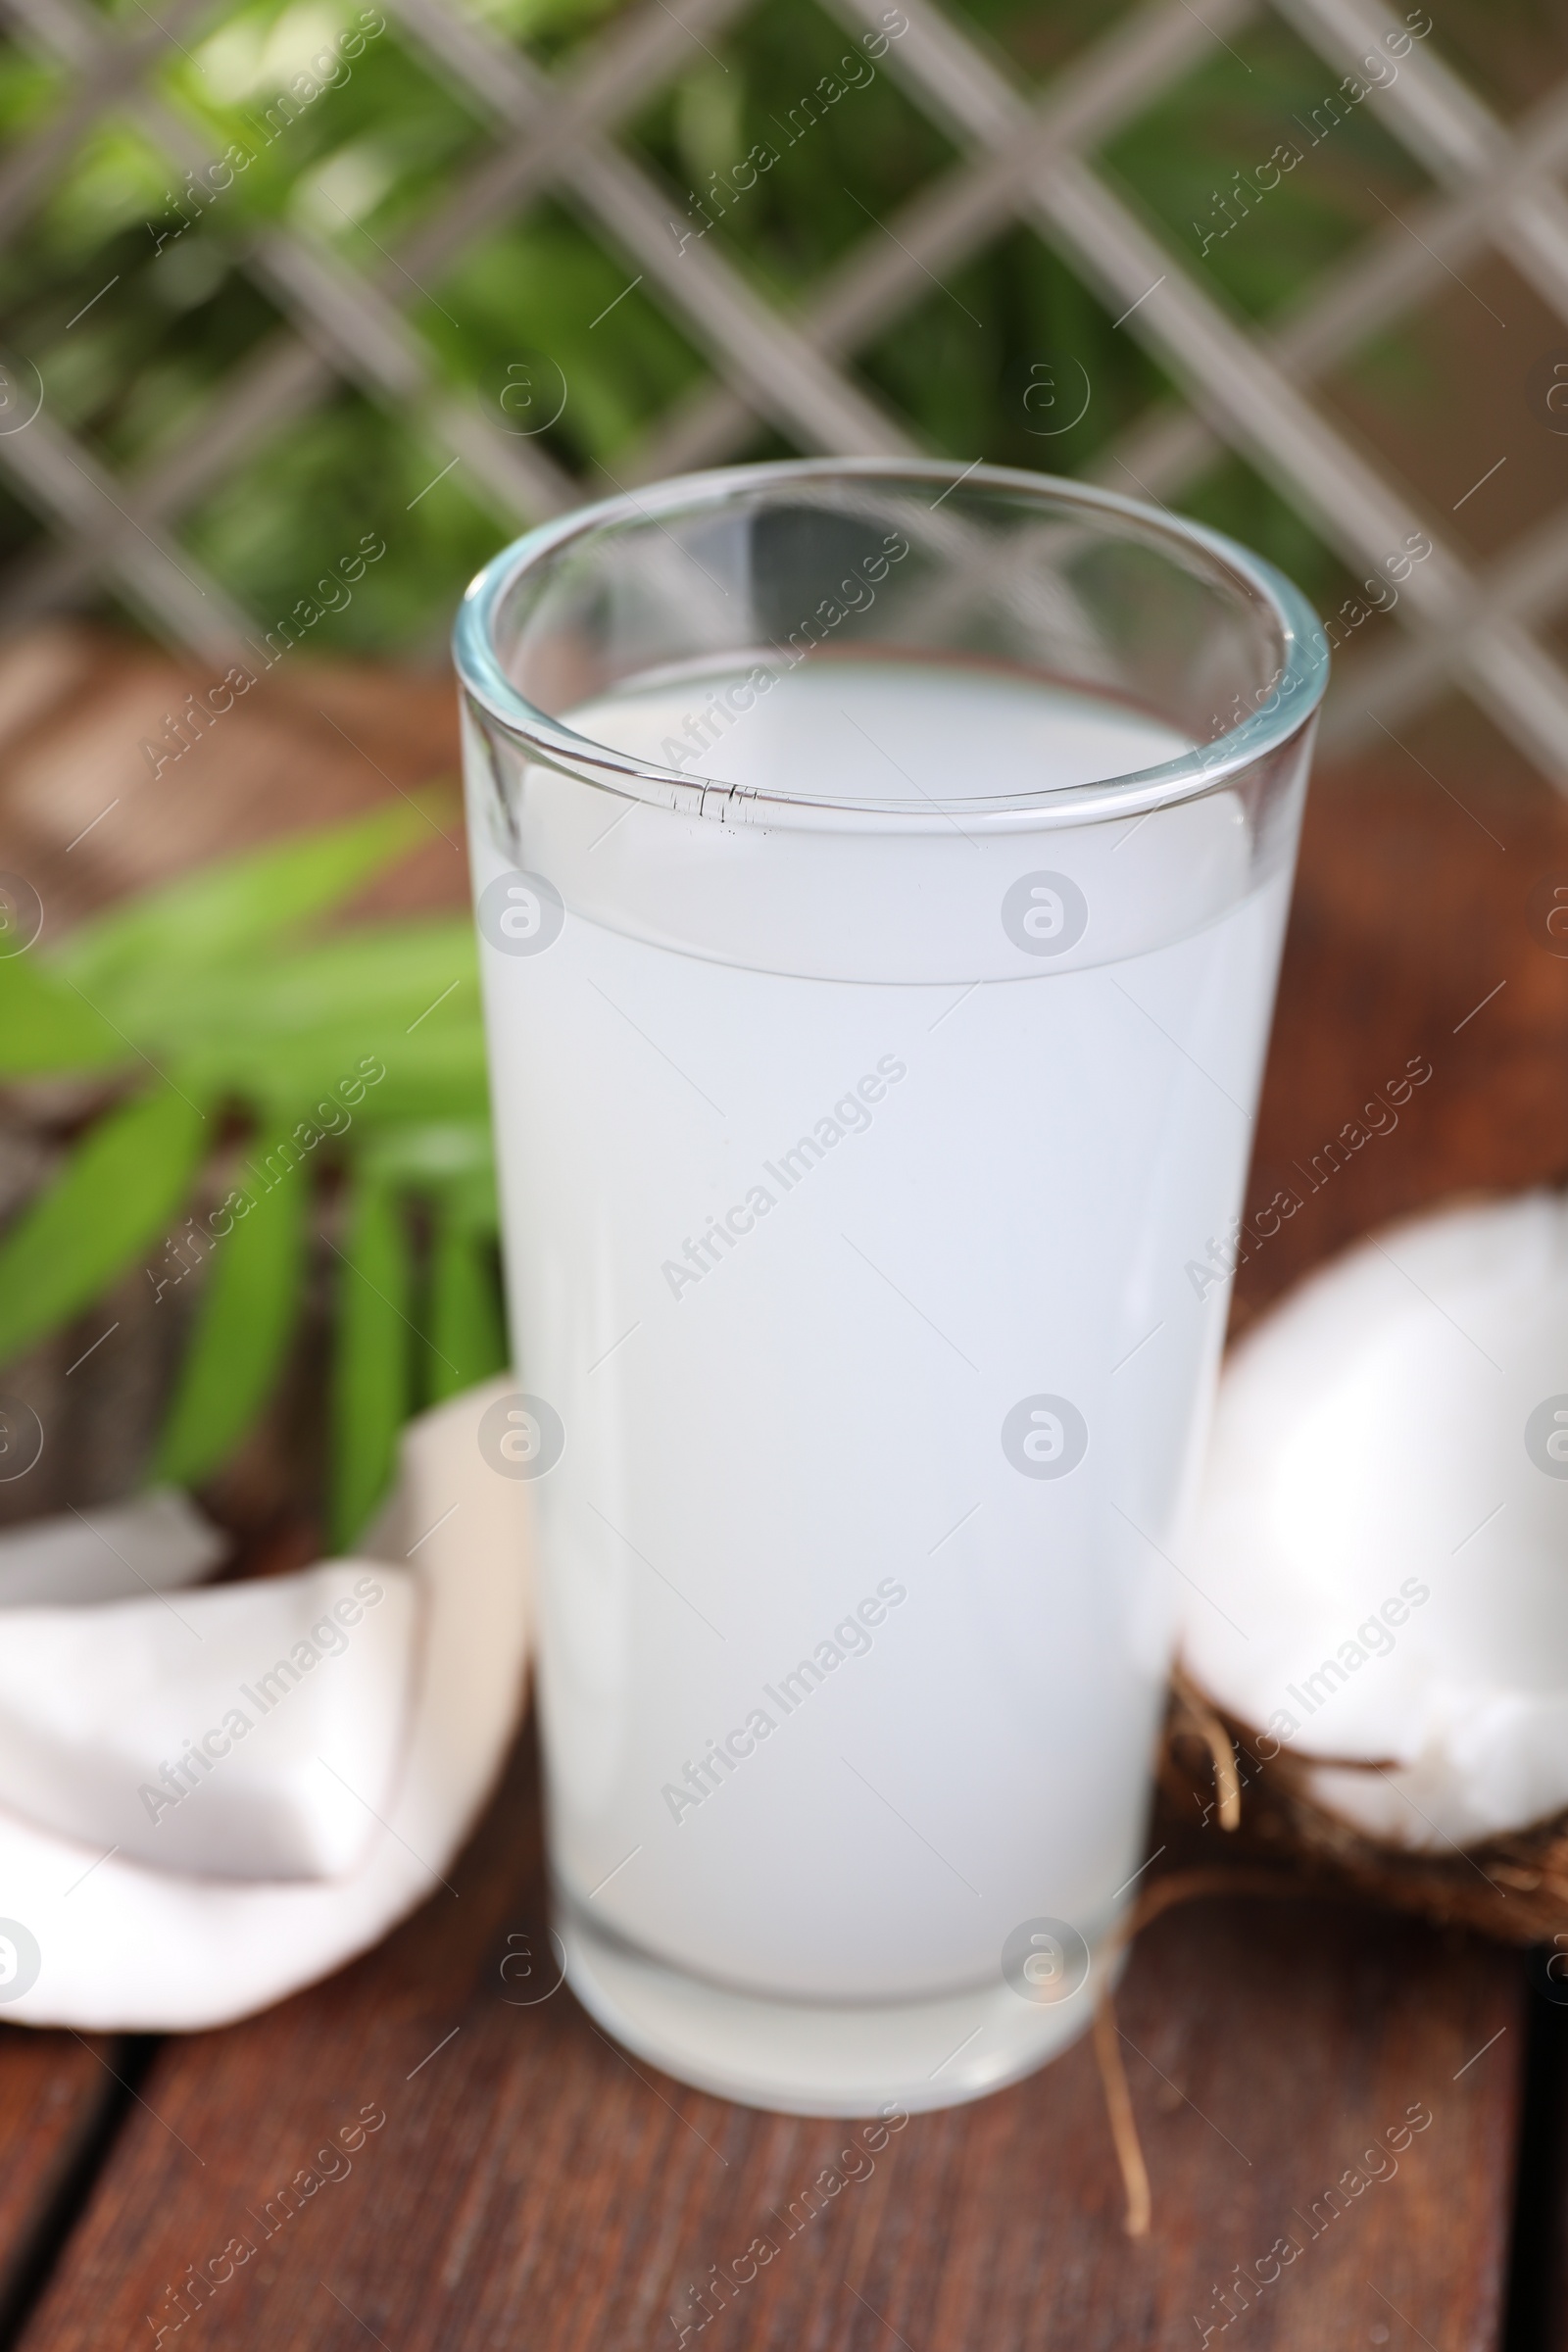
{"points": [[145, 954], [466, 1337], [436, 1073], [392, 979], [48, 1028], [365, 1048], [243, 1326], [373, 1358], [121, 1189]]}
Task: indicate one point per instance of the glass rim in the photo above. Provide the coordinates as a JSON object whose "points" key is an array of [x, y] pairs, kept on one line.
{"points": [[1288, 702]]}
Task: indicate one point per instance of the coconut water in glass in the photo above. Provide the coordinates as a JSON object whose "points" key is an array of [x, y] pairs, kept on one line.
{"points": [[880, 879]]}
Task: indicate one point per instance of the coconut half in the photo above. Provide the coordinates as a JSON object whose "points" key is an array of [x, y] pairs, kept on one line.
{"points": [[1380, 1560]]}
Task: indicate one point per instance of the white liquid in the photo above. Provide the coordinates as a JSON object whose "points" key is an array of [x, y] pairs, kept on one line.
{"points": [[796, 1454]]}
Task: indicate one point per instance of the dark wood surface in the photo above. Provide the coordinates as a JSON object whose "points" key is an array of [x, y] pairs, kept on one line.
{"points": [[532, 2186], [60, 2096], [529, 2186]]}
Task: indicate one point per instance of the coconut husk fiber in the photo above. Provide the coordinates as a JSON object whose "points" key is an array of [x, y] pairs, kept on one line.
{"points": [[1225, 1803], [1230, 1819]]}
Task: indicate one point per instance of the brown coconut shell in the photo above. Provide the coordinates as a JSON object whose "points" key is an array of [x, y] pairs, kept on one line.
{"points": [[1512, 1888]]}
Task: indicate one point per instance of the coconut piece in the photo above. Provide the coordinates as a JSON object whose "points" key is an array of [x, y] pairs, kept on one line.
{"points": [[250, 1731], [156, 1543], [1379, 1559], [109, 1944]]}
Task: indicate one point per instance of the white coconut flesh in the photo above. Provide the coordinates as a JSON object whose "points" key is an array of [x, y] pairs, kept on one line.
{"points": [[1379, 1559]]}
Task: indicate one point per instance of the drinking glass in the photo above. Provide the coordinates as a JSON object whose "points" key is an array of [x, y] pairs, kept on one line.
{"points": [[880, 874]]}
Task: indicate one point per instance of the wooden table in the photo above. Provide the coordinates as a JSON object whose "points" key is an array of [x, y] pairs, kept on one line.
{"points": [[514, 2180]]}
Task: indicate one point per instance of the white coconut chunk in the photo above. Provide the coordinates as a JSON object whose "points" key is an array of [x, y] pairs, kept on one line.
{"points": [[156, 1543], [1492, 1763], [117, 1945], [1379, 1559], [250, 1731]]}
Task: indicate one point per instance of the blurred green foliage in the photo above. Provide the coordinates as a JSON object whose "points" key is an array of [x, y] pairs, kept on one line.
{"points": [[226, 1025], [379, 150], [266, 1083]]}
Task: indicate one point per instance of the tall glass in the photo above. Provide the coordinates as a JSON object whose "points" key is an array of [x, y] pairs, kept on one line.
{"points": [[880, 876]]}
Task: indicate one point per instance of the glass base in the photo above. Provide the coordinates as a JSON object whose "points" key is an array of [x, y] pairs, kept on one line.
{"points": [[813, 2057]]}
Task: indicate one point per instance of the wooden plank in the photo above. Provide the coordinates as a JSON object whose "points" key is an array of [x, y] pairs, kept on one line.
{"points": [[529, 2184], [59, 2095], [1537, 2286], [314, 741], [1417, 932]]}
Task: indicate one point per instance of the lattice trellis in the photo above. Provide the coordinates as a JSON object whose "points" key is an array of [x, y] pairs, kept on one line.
{"points": [[1022, 158]]}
